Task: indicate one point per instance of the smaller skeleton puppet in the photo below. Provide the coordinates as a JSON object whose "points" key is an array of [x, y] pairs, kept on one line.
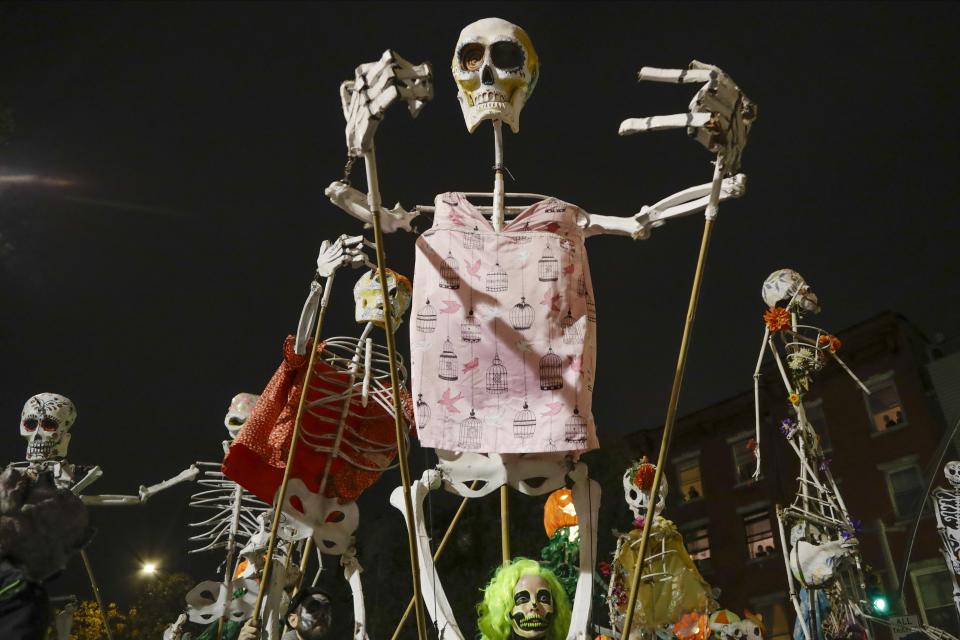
{"points": [[524, 600], [347, 437], [946, 504], [670, 585], [816, 531], [674, 600]]}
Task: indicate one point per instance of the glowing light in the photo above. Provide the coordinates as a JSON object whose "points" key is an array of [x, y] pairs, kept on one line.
{"points": [[148, 568], [880, 604]]}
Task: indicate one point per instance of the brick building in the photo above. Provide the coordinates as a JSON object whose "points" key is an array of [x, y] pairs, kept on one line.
{"points": [[883, 449]]}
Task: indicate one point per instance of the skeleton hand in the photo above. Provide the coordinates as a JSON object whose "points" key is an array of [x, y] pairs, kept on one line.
{"points": [[720, 115], [249, 631], [344, 250], [375, 87]]}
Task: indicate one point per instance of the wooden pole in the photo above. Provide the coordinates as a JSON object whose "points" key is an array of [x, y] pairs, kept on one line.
{"points": [[711, 214], [373, 200], [294, 440], [96, 593]]}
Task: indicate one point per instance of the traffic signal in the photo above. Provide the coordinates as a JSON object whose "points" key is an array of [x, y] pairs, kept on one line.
{"points": [[877, 597]]}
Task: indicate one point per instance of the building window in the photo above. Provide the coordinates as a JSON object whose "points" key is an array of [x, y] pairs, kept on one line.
{"points": [[744, 461], [934, 589], [773, 608], [698, 546], [818, 420], [905, 484], [759, 534], [883, 404], [688, 479]]}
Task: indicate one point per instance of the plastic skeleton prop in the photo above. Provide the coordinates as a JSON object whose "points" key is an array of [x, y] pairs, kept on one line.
{"points": [[496, 69], [235, 521], [816, 529], [946, 507], [670, 584], [346, 437]]}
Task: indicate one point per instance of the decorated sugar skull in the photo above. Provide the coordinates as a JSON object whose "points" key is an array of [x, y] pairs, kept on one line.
{"points": [[496, 68], [45, 422], [369, 299], [239, 411], [952, 472], [789, 287], [637, 482]]}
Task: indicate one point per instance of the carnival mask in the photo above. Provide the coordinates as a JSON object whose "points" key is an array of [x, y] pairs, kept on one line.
{"points": [[533, 607]]}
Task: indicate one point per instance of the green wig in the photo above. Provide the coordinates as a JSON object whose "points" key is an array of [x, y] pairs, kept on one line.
{"points": [[494, 611]]}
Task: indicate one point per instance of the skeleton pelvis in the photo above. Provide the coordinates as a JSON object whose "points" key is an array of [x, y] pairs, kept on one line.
{"points": [[814, 565]]}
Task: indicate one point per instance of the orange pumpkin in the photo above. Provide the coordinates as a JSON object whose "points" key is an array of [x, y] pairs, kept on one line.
{"points": [[559, 512]]}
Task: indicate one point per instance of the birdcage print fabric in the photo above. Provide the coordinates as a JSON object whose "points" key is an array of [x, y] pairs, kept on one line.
{"points": [[504, 341]]}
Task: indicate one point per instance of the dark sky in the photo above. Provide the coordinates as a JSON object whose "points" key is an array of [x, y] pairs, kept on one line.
{"points": [[200, 138]]}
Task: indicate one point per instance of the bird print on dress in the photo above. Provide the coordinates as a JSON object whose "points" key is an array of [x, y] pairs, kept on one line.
{"points": [[514, 313]]}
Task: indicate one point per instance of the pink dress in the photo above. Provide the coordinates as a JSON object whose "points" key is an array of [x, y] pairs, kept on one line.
{"points": [[503, 334]]}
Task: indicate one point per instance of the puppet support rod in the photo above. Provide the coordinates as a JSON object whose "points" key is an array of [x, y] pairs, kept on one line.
{"points": [[436, 556], [294, 440], [373, 200], [96, 593], [710, 214]]}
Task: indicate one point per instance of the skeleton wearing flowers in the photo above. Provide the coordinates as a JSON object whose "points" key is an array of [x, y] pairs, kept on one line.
{"points": [[817, 534]]}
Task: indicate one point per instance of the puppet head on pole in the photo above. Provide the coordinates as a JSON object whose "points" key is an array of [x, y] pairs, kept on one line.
{"points": [[524, 600], [239, 412], [788, 287], [496, 68], [44, 423]]}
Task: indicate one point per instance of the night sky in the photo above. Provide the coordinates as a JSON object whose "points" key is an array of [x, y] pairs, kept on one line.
{"points": [[198, 140]]}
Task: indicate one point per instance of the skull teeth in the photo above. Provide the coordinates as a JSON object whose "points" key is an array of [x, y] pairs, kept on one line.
{"points": [[486, 97]]}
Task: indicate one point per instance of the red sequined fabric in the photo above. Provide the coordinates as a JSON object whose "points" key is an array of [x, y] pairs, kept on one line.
{"points": [[258, 455]]}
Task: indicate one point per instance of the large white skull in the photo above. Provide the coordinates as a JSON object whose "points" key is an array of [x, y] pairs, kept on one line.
{"points": [[239, 411], [637, 498], [496, 68], [44, 422], [952, 472], [786, 285]]}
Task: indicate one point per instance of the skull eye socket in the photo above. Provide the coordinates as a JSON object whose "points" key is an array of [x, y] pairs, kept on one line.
{"points": [[30, 424], [49, 424], [506, 55], [234, 421], [471, 56], [544, 596]]}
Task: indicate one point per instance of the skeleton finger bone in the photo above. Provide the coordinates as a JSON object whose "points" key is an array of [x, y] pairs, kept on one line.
{"points": [[661, 123], [677, 76]]}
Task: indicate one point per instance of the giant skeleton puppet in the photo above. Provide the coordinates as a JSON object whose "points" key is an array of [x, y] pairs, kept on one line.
{"points": [[504, 331], [45, 424], [946, 507], [817, 534], [346, 439]]}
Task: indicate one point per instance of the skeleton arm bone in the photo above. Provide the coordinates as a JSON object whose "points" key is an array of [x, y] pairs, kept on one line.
{"points": [[682, 203], [756, 399], [354, 202], [92, 476], [145, 493]]}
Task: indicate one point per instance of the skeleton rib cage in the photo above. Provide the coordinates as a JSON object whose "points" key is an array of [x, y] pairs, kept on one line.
{"points": [[351, 373], [231, 502]]}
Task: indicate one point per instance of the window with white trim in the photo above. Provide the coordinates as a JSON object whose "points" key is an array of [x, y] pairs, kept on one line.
{"points": [[688, 478], [933, 587], [697, 540], [759, 533], [744, 462], [905, 484], [883, 404]]}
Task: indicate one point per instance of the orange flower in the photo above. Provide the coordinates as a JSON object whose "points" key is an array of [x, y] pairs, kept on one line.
{"points": [[794, 399], [833, 341], [692, 626], [777, 319]]}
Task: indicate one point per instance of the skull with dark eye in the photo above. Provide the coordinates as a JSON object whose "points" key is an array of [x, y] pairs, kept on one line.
{"points": [[44, 423], [533, 607], [368, 297], [496, 68]]}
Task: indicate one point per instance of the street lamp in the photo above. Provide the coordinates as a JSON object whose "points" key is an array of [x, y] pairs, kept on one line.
{"points": [[149, 568]]}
